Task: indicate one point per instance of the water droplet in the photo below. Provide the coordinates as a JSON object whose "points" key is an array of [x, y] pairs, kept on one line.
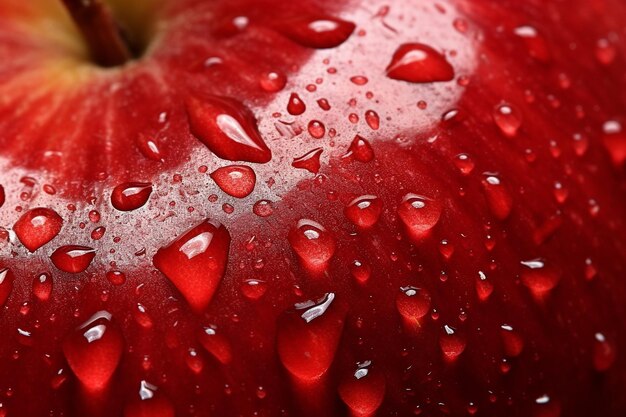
{"points": [[116, 277], [253, 289], [605, 52], [363, 391], [451, 343], [513, 342], [313, 244], [419, 215], [464, 163], [507, 118], [419, 63], [2, 195], [216, 344], [42, 286], [484, 288], [535, 43], [235, 180], [295, 106], [272, 82], [323, 103], [614, 139], [316, 129], [6, 284], [195, 262], [361, 272], [151, 403], [315, 31], [538, 277], [37, 227], [413, 304], [308, 337], [149, 147], [359, 80], [72, 258], [546, 407], [131, 195], [93, 351], [360, 150], [372, 119], [263, 208], [228, 129], [604, 353], [446, 249], [498, 197], [364, 211], [309, 161]]}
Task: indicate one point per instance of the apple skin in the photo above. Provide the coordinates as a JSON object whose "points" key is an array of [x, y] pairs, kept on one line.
{"points": [[505, 298]]}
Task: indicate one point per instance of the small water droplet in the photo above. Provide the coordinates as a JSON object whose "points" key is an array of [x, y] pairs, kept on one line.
{"points": [[316, 129], [295, 106], [216, 344], [37, 227], [604, 353], [419, 214], [614, 139], [372, 119], [539, 278], [498, 197], [451, 343], [315, 31], [507, 118], [364, 211], [150, 403], [605, 52], [272, 82], [484, 287], [464, 163], [513, 342], [535, 43], [263, 208], [42, 286], [413, 304], [72, 258]]}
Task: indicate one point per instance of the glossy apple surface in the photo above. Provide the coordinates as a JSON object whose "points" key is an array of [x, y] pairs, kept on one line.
{"points": [[315, 208]]}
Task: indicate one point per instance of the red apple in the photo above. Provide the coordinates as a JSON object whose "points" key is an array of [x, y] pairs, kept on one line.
{"points": [[312, 208]]}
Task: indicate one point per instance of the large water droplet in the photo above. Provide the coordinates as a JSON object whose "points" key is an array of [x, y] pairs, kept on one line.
{"points": [[363, 391], [313, 244], [235, 180], [419, 63], [93, 351], [308, 337], [195, 262], [228, 129], [131, 195], [72, 258], [315, 31], [37, 227], [451, 343], [364, 211], [419, 215]]}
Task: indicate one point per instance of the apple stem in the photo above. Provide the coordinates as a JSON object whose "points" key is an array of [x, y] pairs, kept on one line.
{"points": [[102, 33]]}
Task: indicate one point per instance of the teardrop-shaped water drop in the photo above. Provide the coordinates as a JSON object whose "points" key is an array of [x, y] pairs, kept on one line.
{"points": [[535, 43], [539, 277], [42, 286], [37, 227], [72, 258], [372, 119], [316, 31], [413, 304], [614, 139], [498, 197], [196, 261], [150, 403], [308, 337], [93, 351], [309, 161], [149, 147], [312, 243], [295, 106], [507, 118], [235, 180], [227, 128], [360, 150], [364, 390], [451, 343], [131, 195], [364, 211], [419, 63], [604, 353], [512, 341], [419, 214], [216, 344], [272, 82]]}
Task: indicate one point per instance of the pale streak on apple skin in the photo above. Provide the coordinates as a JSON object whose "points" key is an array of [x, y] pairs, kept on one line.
{"points": [[434, 29]]}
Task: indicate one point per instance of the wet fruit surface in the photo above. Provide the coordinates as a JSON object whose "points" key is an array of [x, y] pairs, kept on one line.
{"points": [[337, 208]]}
